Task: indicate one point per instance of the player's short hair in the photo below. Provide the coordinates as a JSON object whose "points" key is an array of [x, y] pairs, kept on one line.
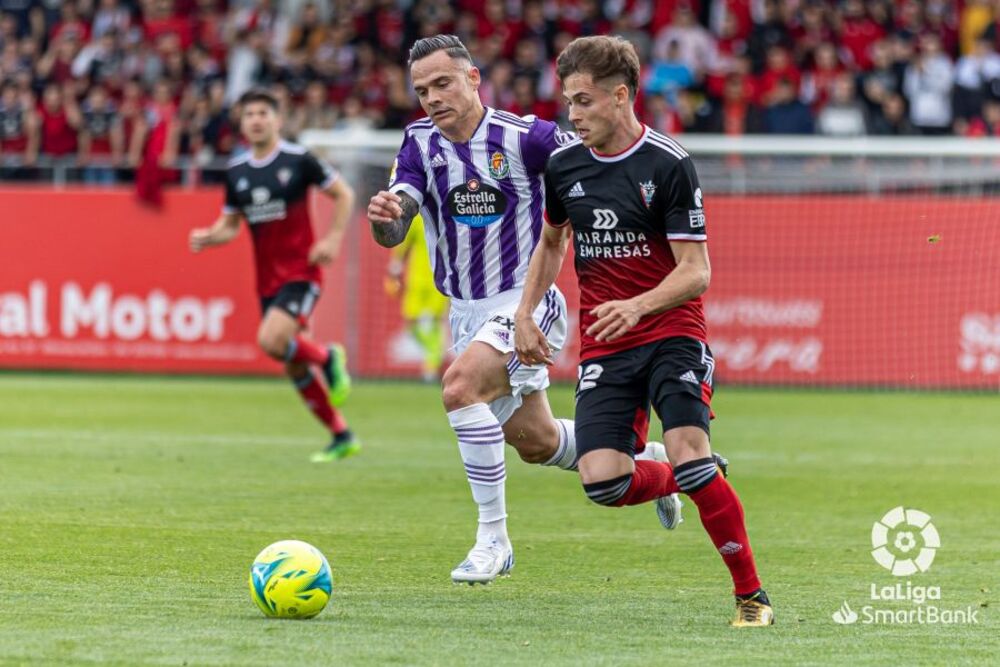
{"points": [[259, 95], [603, 58], [450, 44]]}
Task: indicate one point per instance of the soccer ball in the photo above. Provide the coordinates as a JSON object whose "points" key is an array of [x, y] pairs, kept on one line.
{"points": [[290, 579]]}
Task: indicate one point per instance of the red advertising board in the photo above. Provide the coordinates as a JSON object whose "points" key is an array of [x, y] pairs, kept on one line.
{"points": [[810, 290]]}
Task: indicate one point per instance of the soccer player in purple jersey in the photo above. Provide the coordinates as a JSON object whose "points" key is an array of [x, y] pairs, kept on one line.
{"points": [[476, 174]]}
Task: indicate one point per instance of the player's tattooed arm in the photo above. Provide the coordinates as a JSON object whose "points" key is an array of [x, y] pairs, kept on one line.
{"points": [[390, 215]]}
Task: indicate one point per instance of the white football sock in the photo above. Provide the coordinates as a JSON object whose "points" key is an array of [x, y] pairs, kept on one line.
{"points": [[481, 444], [565, 456]]}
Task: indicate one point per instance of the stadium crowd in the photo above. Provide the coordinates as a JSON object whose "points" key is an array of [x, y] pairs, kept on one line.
{"points": [[113, 83]]}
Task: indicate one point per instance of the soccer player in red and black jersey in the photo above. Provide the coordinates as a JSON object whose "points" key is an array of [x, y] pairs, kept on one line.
{"points": [[629, 198], [268, 186]]}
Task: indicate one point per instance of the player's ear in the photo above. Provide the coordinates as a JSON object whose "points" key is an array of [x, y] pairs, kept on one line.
{"points": [[475, 78], [621, 94]]}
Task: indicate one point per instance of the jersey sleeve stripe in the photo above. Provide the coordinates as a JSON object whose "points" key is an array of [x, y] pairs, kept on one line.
{"points": [[664, 139], [687, 237], [230, 210], [423, 122], [511, 118], [575, 142], [289, 147], [410, 190], [668, 149], [330, 180], [517, 128]]}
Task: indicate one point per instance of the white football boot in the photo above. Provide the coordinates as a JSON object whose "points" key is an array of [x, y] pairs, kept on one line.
{"points": [[486, 561], [668, 508]]}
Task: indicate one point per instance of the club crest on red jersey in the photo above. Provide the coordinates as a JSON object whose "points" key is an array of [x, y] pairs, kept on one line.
{"points": [[648, 189]]}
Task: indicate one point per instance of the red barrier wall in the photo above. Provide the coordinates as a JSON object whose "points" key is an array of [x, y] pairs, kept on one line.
{"points": [[810, 290]]}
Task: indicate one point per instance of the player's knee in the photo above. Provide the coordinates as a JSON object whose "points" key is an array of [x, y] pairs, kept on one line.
{"points": [[608, 492], [273, 345], [687, 443], [459, 389]]}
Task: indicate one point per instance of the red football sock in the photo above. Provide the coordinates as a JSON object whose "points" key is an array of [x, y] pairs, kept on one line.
{"points": [[722, 515], [309, 351], [651, 480], [317, 399]]}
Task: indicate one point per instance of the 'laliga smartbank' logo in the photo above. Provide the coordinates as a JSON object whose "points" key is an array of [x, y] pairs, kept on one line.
{"points": [[904, 541]]}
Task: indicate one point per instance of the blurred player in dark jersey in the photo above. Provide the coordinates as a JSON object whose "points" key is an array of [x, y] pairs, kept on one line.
{"points": [[268, 186], [630, 200]]}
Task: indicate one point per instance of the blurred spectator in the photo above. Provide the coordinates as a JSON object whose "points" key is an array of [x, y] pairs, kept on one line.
{"points": [[665, 77], [973, 74], [780, 69], [927, 85], [844, 115], [736, 115], [18, 126], [110, 16], [526, 101], [882, 79], [59, 121], [245, 62], [101, 137], [308, 33], [893, 118], [102, 61], [988, 125], [975, 17], [497, 90], [818, 81], [695, 46], [70, 26], [162, 18], [857, 32], [767, 34], [785, 113], [315, 111]]}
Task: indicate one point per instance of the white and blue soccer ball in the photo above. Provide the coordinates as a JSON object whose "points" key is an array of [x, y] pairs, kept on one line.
{"points": [[290, 579]]}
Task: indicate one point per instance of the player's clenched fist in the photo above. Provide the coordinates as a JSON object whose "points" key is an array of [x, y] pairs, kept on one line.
{"points": [[385, 207], [199, 239]]}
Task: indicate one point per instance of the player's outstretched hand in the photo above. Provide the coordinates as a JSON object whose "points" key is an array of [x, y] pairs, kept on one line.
{"points": [[530, 344], [199, 239], [614, 320], [322, 253], [384, 208]]}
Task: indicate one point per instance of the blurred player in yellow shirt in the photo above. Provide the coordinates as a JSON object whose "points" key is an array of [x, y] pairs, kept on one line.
{"points": [[423, 306]]}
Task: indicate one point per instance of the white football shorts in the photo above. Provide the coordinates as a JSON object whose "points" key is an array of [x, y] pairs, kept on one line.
{"points": [[491, 321]]}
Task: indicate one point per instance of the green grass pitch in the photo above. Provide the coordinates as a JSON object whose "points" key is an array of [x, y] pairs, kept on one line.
{"points": [[131, 508]]}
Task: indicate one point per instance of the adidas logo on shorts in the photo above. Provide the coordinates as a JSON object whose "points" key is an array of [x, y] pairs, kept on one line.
{"points": [[690, 377]]}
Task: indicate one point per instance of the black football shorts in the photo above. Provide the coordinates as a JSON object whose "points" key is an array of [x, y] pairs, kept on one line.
{"points": [[296, 298], [614, 392]]}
